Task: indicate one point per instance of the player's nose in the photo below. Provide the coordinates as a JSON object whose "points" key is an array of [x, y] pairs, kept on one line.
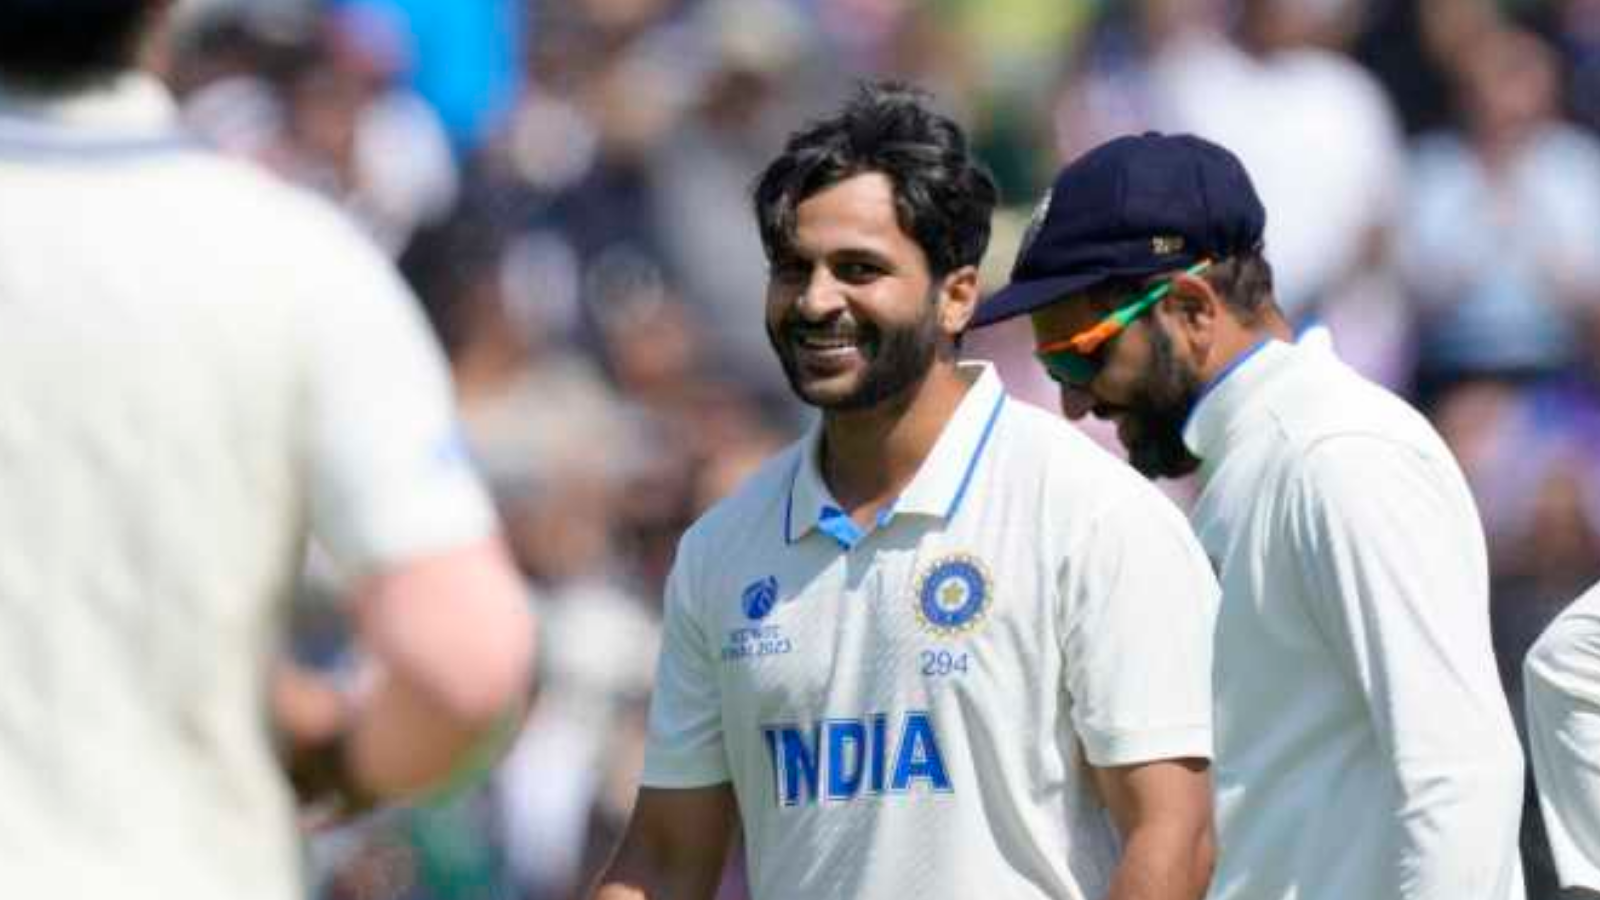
{"points": [[1075, 402]]}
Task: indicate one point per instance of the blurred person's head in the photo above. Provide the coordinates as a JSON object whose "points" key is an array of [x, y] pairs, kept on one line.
{"points": [[1145, 276], [560, 529], [69, 45], [873, 221], [1266, 26], [1509, 84], [455, 268], [324, 107], [1561, 544], [370, 41], [1161, 20], [651, 345]]}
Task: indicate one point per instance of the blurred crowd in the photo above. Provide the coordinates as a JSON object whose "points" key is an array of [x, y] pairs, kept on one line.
{"points": [[564, 183]]}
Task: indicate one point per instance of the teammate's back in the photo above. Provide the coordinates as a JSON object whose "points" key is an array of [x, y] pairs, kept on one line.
{"points": [[199, 367]]}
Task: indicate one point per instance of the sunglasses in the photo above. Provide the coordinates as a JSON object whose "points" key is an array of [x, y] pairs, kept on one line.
{"points": [[1075, 361]]}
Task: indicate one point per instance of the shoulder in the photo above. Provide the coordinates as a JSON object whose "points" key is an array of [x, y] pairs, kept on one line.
{"points": [[1323, 400], [1052, 454], [250, 207]]}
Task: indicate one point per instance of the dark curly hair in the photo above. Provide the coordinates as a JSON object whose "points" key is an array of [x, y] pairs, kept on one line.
{"points": [[943, 195], [64, 45]]}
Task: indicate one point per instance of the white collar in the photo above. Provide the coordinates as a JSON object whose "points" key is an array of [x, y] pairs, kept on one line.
{"points": [[1233, 397], [941, 481], [133, 110]]}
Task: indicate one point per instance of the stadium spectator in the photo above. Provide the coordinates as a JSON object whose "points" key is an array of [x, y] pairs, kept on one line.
{"points": [[1498, 247]]}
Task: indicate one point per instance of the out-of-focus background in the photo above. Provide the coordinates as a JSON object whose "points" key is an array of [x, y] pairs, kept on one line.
{"points": [[564, 183]]}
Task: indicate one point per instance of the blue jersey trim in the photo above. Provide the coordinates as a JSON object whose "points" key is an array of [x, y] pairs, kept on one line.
{"points": [[788, 504], [1217, 379], [837, 524], [972, 464]]}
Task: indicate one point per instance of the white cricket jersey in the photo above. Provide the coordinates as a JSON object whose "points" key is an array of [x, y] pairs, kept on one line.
{"points": [[1364, 745], [908, 712], [197, 364], [1561, 687]]}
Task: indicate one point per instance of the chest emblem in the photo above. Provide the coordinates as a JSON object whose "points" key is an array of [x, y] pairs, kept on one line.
{"points": [[953, 594], [759, 598]]}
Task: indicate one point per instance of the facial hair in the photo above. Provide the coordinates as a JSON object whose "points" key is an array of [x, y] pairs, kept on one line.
{"points": [[898, 358], [1160, 406]]}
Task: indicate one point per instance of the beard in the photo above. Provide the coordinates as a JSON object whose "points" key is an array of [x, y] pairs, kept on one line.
{"points": [[1159, 407], [897, 359]]}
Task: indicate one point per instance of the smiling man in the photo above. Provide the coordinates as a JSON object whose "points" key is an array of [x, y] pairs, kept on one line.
{"points": [[923, 652], [1364, 746]]}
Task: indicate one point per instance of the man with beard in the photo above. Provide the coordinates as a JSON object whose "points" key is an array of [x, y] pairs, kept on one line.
{"points": [[926, 649], [1364, 746]]}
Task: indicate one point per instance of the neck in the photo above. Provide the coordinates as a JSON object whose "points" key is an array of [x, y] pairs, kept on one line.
{"points": [[870, 455], [1236, 342]]}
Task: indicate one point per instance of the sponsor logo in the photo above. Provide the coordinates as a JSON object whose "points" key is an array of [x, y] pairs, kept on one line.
{"points": [[757, 639]]}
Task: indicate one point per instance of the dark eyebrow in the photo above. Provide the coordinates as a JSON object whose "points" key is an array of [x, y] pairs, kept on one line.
{"points": [[861, 255]]}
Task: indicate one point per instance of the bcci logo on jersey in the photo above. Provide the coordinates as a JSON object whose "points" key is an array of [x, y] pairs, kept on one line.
{"points": [[953, 594], [842, 759]]}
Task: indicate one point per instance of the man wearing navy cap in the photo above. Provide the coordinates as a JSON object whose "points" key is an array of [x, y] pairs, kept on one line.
{"points": [[1364, 747]]}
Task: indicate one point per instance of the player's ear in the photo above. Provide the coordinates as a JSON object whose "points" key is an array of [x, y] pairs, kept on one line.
{"points": [[1195, 311], [958, 300]]}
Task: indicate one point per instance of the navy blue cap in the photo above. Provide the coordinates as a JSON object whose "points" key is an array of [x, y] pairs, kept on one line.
{"points": [[1130, 208]]}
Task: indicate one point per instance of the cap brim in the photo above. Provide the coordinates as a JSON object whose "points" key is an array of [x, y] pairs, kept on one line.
{"points": [[1022, 297]]}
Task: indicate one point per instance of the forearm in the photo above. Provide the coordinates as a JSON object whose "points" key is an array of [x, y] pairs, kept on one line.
{"points": [[638, 873], [402, 742], [1164, 862]]}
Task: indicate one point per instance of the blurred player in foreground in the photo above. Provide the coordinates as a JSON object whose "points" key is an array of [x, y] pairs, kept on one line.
{"points": [[197, 365], [1562, 687], [1364, 745], [923, 651]]}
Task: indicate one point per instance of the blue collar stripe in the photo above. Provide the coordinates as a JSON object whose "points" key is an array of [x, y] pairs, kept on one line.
{"points": [[977, 454], [835, 523], [1218, 378], [788, 506]]}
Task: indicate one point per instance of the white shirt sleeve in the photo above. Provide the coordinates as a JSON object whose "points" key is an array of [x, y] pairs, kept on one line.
{"points": [[390, 475], [1137, 631], [1561, 685], [1390, 550], [685, 744]]}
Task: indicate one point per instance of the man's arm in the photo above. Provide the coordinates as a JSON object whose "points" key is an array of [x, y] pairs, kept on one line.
{"points": [[450, 639], [1396, 579], [1163, 811], [674, 847]]}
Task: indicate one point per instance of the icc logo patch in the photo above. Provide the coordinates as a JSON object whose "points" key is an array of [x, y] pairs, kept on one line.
{"points": [[953, 594], [759, 598]]}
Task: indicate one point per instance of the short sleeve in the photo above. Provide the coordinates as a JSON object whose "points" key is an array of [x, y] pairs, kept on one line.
{"points": [[685, 746], [1140, 607], [1562, 679], [390, 475]]}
